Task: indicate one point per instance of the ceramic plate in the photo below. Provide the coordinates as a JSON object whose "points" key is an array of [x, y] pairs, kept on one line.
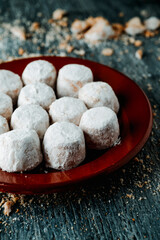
{"points": [[135, 119]]}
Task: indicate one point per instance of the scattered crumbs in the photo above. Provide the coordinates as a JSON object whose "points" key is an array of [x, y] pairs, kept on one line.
{"points": [[138, 43], [69, 48], [2, 202], [121, 14], [14, 198], [144, 13], [62, 45], [139, 184], [62, 54], [140, 198], [58, 14], [132, 40], [138, 160], [39, 14], [149, 34], [134, 26], [139, 54], [79, 26], [50, 20], [149, 86], [152, 23], [158, 188], [107, 52], [130, 196], [121, 181], [79, 52], [18, 32], [68, 38], [35, 26], [63, 23], [118, 28], [7, 207]]}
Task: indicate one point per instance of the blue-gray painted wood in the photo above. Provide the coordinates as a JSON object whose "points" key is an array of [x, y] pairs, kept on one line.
{"points": [[126, 204]]}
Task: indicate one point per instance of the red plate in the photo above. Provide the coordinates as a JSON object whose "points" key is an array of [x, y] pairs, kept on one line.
{"points": [[135, 118]]}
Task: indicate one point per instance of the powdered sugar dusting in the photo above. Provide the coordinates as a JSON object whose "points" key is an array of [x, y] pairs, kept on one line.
{"points": [[67, 109], [21, 150], [99, 94], [31, 116], [64, 145], [38, 93], [6, 106], [71, 78], [10, 84], [3, 125], [39, 71], [100, 126]]}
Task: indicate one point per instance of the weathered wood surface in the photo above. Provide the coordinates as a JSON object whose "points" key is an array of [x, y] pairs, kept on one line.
{"points": [[126, 204]]}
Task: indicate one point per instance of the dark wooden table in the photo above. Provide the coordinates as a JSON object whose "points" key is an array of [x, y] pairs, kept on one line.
{"points": [[125, 204]]}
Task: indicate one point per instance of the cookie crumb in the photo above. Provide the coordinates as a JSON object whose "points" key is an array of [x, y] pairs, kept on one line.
{"points": [[79, 26], [152, 23], [130, 195], [121, 14], [7, 207], [79, 52], [18, 32], [107, 52], [20, 51], [118, 28], [139, 54], [134, 26], [149, 34], [69, 48], [149, 87], [2, 202], [138, 43], [35, 26], [58, 14]]}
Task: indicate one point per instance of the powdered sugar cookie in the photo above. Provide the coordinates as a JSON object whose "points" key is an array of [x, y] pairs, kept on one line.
{"points": [[39, 71], [10, 84], [98, 94], [38, 93], [71, 78], [100, 127], [67, 109], [30, 116], [3, 125], [19, 150], [64, 146], [6, 106]]}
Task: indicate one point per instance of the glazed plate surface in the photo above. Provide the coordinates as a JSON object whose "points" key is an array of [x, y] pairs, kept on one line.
{"points": [[135, 119]]}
